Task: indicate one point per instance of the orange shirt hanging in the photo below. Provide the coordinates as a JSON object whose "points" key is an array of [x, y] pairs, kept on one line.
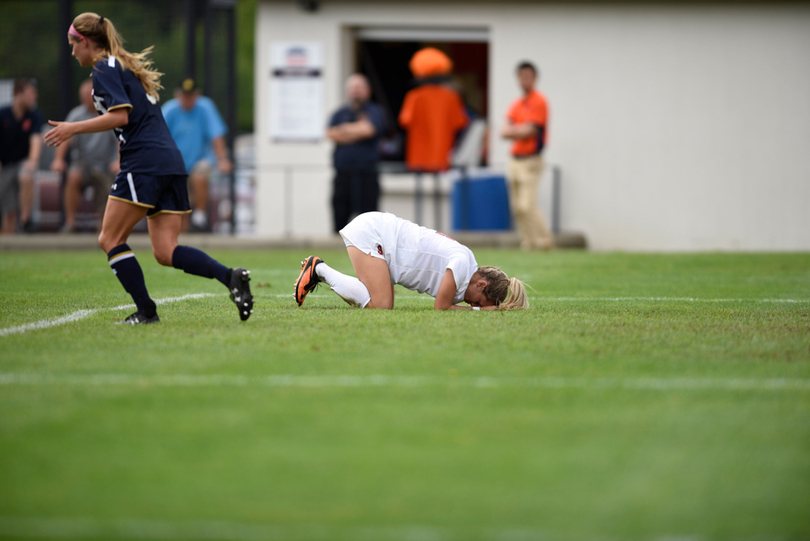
{"points": [[532, 108], [432, 115]]}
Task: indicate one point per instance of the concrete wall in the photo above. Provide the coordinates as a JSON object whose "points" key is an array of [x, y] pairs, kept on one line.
{"points": [[677, 127]]}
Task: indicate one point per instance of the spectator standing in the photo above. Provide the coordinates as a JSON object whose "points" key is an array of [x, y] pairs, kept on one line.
{"points": [[20, 147], [356, 129], [432, 113], [198, 130], [527, 121], [93, 160]]}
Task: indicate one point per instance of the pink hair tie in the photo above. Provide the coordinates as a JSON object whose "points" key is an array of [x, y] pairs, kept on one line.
{"points": [[73, 32]]}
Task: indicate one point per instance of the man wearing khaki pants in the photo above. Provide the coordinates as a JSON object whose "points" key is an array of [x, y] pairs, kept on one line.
{"points": [[527, 119]]}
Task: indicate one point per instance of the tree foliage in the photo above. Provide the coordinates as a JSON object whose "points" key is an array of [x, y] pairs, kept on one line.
{"points": [[30, 46]]}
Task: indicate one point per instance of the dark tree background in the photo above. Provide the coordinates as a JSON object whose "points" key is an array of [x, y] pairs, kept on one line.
{"points": [[30, 39]]}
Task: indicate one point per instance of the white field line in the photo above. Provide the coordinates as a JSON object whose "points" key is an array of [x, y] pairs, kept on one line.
{"points": [[78, 315], [378, 380], [89, 528], [82, 314], [585, 299], [666, 299]]}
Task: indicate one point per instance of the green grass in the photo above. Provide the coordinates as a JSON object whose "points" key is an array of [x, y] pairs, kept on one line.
{"points": [[640, 397]]}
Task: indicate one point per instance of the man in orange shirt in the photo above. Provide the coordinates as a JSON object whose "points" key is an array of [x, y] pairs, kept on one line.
{"points": [[526, 126]]}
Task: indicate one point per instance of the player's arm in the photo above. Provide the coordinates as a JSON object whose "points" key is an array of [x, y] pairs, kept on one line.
{"points": [[447, 290], [63, 131]]}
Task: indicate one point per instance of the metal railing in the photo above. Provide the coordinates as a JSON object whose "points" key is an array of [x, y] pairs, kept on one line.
{"points": [[289, 171]]}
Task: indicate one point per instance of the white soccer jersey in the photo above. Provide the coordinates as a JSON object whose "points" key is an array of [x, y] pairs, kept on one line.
{"points": [[417, 257]]}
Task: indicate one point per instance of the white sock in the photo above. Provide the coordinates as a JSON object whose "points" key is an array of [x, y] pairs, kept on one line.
{"points": [[348, 288]]}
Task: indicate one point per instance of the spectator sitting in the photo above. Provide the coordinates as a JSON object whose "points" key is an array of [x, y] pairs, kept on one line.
{"points": [[20, 147], [198, 130], [93, 160]]}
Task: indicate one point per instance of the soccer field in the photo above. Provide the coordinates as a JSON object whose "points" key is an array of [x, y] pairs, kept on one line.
{"points": [[641, 397]]}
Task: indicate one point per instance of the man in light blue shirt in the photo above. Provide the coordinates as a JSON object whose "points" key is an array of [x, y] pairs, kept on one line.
{"points": [[198, 130]]}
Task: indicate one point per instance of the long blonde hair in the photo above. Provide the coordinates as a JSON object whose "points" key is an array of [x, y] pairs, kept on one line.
{"points": [[507, 293], [102, 32]]}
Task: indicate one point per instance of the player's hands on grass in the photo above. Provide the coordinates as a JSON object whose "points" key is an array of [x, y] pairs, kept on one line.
{"points": [[61, 132]]}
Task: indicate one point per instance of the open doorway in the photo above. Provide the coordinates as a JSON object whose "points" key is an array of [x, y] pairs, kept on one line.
{"points": [[383, 54]]}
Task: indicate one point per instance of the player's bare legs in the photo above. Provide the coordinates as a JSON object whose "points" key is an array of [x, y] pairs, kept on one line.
{"points": [[164, 228], [373, 273], [119, 219]]}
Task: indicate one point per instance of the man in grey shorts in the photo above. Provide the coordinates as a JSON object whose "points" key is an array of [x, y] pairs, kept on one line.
{"points": [[93, 161]]}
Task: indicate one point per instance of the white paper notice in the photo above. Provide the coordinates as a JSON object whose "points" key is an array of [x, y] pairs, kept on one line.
{"points": [[296, 91]]}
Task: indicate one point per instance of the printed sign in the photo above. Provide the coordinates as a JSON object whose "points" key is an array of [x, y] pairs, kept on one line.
{"points": [[296, 91]]}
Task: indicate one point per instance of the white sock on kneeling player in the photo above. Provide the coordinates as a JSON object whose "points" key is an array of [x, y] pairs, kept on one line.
{"points": [[348, 288]]}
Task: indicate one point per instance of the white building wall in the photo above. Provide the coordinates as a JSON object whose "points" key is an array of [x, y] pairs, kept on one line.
{"points": [[677, 127]]}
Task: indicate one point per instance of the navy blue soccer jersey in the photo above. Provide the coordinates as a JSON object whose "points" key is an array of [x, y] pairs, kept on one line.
{"points": [[146, 144]]}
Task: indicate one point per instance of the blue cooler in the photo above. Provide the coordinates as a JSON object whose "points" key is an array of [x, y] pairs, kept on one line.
{"points": [[481, 204]]}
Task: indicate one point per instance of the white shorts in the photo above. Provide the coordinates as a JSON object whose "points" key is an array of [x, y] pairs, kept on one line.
{"points": [[371, 233], [417, 257]]}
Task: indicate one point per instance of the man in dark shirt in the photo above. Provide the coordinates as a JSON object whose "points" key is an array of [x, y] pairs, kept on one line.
{"points": [[356, 129], [20, 146]]}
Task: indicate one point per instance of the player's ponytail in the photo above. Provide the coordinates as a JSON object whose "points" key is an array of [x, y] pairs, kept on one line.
{"points": [[102, 32], [516, 299], [507, 293]]}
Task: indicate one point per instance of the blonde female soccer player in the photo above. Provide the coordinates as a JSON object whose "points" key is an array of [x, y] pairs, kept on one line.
{"points": [[387, 250], [152, 181]]}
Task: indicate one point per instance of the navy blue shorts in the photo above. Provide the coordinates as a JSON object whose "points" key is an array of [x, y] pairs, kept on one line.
{"points": [[165, 193]]}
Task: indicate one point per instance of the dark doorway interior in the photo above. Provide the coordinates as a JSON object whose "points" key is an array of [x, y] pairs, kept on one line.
{"points": [[385, 63]]}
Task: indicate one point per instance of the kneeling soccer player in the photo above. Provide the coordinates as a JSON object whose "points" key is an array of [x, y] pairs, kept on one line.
{"points": [[386, 250]]}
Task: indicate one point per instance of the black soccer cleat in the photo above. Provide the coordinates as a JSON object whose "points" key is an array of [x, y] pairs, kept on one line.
{"points": [[138, 318], [240, 292]]}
